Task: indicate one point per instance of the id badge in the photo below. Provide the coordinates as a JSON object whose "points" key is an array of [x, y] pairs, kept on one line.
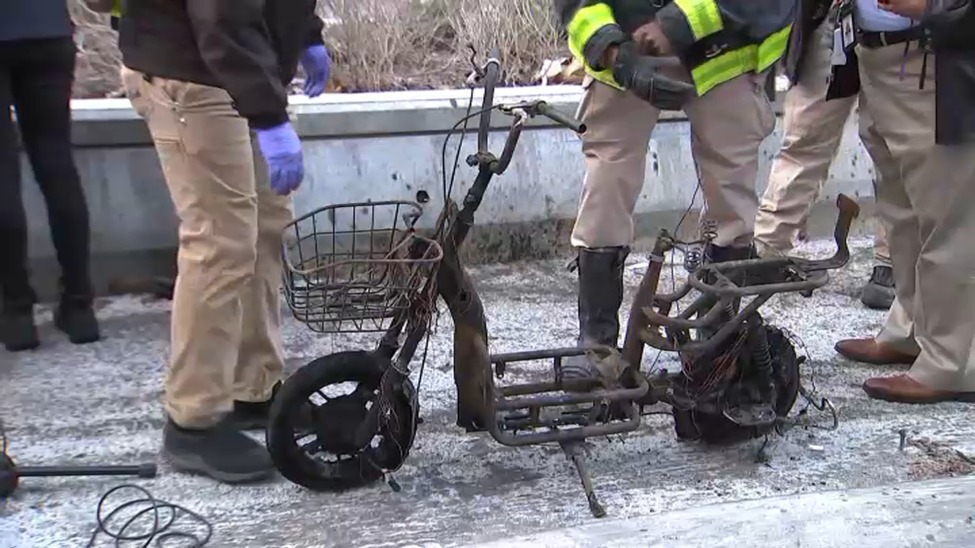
{"points": [[849, 32], [838, 56]]}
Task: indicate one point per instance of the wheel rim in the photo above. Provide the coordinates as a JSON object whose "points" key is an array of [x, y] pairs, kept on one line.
{"points": [[312, 428], [327, 444]]}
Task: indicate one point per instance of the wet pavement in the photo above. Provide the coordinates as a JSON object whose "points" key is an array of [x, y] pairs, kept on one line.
{"points": [[100, 404]]}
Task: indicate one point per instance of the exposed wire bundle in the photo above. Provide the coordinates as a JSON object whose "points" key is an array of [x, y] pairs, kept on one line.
{"points": [[160, 514]]}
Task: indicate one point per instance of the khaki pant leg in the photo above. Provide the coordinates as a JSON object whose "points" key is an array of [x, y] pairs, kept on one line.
{"points": [[902, 119], [205, 151], [261, 361], [943, 192], [813, 130], [615, 144], [881, 249], [728, 126], [884, 166]]}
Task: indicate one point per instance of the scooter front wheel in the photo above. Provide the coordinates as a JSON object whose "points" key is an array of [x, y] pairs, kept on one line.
{"points": [[313, 426]]}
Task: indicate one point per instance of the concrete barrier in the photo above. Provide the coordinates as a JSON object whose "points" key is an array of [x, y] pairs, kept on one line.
{"points": [[389, 146]]}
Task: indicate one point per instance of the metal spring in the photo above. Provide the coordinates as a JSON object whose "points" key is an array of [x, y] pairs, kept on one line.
{"points": [[761, 356], [709, 230], [693, 258]]}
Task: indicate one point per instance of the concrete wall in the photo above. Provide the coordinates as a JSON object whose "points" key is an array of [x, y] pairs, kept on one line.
{"points": [[387, 146]]}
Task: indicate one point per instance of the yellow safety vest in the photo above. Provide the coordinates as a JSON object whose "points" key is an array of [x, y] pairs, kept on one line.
{"points": [[117, 8], [704, 18]]}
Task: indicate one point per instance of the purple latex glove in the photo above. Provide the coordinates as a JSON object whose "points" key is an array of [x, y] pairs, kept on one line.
{"points": [[318, 66], [281, 149]]}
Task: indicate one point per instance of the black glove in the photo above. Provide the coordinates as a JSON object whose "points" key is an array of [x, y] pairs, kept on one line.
{"points": [[640, 75]]}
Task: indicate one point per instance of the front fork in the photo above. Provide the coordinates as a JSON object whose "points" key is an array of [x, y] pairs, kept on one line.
{"points": [[472, 364]]}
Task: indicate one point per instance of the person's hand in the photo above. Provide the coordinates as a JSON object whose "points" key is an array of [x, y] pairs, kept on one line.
{"points": [[913, 9], [281, 149], [640, 74], [318, 66], [651, 40]]}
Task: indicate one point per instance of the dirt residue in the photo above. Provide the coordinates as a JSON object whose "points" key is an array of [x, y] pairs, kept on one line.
{"points": [[938, 460]]}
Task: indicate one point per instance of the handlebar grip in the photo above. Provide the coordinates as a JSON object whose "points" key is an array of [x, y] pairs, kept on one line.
{"points": [[491, 73], [561, 118]]}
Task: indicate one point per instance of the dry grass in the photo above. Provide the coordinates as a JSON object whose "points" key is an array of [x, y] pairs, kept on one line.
{"points": [[382, 44]]}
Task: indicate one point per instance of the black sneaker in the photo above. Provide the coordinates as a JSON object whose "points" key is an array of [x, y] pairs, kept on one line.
{"points": [[878, 293], [222, 452], [78, 322], [18, 332], [253, 415]]}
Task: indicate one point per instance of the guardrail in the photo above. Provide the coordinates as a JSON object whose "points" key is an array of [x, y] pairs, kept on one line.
{"points": [[387, 146]]}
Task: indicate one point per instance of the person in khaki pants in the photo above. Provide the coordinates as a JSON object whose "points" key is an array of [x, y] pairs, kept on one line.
{"points": [[931, 132], [813, 130], [726, 49], [216, 106]]}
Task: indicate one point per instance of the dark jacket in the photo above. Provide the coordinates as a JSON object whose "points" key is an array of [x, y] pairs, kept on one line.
{"points": [[250, 48], [811, 15], [952, 26], [28, 19]]}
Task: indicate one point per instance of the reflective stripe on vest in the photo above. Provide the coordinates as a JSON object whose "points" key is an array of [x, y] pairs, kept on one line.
{"points": [[584, 24], [703, 16], [704, 19], [734, 63]]}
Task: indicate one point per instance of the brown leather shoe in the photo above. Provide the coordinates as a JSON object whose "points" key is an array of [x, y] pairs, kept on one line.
{"points": [[872, 352], [903, 389]]}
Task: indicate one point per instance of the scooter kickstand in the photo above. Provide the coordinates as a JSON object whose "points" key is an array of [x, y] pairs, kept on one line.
{"points": [[575, 450]]}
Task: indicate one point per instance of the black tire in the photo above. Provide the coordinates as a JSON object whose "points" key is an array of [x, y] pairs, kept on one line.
{"points": [[364, 466], [717, 429]]}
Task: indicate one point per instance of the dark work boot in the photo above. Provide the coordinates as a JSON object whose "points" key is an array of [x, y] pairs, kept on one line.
{"points": [[253, 415], [878, 293], [76, 318], [17, 330], [600, 298], [725, 254], [222, 452]]}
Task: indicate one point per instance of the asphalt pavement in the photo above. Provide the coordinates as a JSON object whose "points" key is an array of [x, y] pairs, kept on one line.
{"points": [[100, 404]]}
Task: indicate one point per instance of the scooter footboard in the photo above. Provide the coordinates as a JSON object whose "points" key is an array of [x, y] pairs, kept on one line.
{"points": [[532, 413]]}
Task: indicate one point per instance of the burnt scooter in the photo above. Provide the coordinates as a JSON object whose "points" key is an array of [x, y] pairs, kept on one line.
{"points": [[350, 418]]}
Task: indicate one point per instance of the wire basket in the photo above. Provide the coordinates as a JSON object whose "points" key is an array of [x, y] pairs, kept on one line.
{"points": [[352, 268]]}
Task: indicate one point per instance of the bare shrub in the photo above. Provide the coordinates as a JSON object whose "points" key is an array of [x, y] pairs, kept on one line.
{"points": [[99, 59], [381, 45], [375, 43], [524, 30]]}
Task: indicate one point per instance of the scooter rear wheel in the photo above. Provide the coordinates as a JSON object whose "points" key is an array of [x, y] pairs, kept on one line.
{"points": [[311, 430], [718, 429]]}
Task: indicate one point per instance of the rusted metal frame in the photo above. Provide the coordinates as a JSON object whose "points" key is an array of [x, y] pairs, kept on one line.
{"points": [[713, 315], [631, 423], [728, 329], [645, 293], [570, 398], [669, 298], [729, 289]]}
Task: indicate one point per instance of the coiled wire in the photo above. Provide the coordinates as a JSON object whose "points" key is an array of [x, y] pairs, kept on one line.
{"points": [[134, 528]]}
